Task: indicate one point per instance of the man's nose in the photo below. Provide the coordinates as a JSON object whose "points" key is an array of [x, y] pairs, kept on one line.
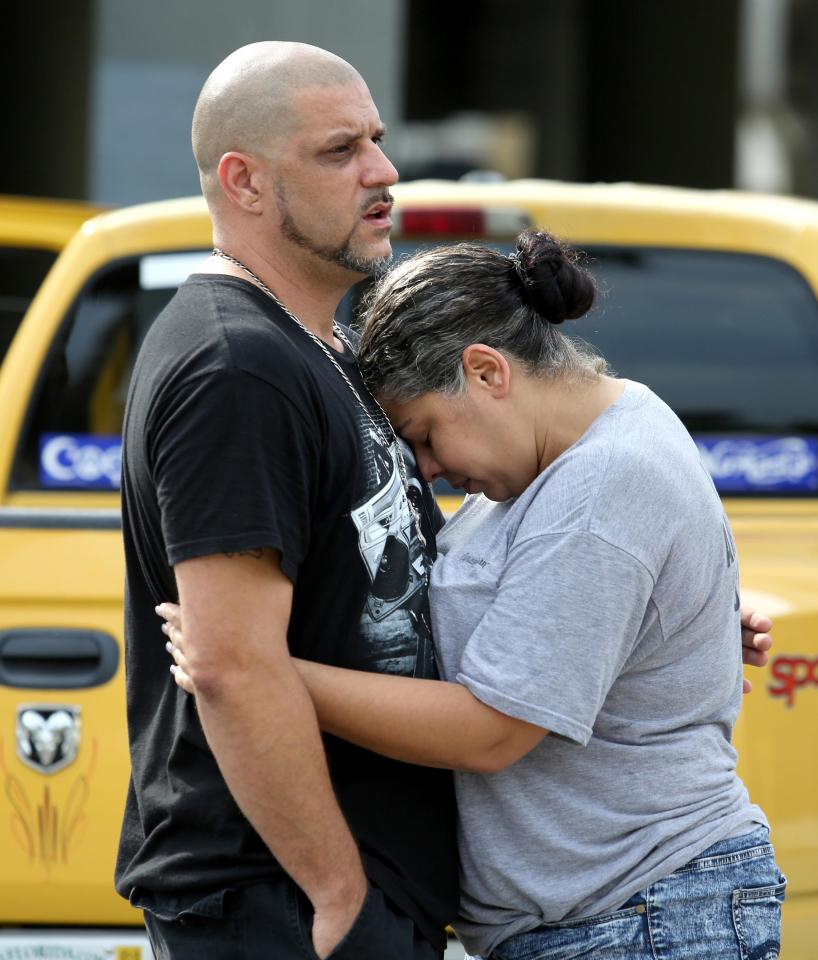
{"points": [[379, 170]]}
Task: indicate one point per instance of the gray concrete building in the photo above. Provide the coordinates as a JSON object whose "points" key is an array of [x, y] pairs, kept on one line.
{"points": [[99, 93]]}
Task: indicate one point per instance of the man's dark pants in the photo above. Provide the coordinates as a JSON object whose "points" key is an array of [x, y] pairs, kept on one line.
{"points": [[272, 921]]}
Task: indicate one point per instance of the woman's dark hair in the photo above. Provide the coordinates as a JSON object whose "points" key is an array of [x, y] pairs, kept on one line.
{"points": [[422, 315]]}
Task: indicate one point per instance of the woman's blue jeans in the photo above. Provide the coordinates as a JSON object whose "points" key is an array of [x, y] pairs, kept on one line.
{"points": [[724, 905]]}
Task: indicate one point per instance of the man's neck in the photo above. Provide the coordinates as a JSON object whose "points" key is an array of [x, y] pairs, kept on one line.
{"points": [[312, 295]]}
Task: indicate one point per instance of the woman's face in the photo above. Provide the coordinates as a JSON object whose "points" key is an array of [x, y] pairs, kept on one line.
{"points": [[466, 439]]}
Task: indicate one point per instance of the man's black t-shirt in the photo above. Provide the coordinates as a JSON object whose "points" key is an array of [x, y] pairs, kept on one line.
{"points": [[240, 434]]}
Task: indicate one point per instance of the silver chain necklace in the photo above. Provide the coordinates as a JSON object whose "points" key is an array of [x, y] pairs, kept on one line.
{"points": [[387, 439]]}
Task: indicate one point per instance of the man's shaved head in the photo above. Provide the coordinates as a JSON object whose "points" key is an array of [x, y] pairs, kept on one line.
{"points": [[246, 102]]}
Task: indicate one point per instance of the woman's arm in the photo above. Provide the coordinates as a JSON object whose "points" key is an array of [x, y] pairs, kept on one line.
{"points": [[427, 722]]}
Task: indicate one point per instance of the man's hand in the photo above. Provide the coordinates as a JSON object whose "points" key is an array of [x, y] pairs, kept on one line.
{"points": [[332, 923], [756, 640]]}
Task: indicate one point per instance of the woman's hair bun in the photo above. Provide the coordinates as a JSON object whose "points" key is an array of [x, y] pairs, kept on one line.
{"points": [[556, 286]]}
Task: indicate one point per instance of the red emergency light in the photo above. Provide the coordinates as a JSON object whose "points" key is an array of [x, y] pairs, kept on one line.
{"points": [[460, 221], [434, 220]]}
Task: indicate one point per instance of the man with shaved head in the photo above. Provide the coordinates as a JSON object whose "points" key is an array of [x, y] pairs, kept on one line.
{"points": [[264, 487]]}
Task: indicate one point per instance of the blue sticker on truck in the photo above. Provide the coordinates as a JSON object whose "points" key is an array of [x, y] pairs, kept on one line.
{"points": [[80, 460], [761, 464]]}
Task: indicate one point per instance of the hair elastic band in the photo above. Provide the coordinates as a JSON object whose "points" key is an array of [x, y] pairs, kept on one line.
{"points": [[517, 260]]}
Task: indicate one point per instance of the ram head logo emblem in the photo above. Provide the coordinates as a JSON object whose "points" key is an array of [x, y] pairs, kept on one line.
{"points": [[48, 736]]}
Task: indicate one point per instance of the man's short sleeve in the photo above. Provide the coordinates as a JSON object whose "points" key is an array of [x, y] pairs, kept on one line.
{"points": [[565, 619], [235, 463]]}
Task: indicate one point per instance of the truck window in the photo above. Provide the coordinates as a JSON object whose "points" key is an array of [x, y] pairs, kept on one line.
{"points": [[730, 342], [72, 435], [21, 273]]}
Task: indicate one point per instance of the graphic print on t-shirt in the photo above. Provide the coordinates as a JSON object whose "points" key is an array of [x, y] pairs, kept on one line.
{"points": [[730, 548], [395, 633]]}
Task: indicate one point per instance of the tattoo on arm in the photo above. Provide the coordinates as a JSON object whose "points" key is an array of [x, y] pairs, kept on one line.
{"points": [[257, 553]]}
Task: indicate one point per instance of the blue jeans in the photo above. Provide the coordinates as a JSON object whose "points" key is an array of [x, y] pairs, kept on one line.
{"points": [[724, 905]]}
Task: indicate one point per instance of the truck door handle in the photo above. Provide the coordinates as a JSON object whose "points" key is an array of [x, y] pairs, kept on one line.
{"points": [[57, 659]]}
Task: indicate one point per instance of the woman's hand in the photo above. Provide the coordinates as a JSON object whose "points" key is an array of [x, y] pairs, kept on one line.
{"points": [[171, 613]]}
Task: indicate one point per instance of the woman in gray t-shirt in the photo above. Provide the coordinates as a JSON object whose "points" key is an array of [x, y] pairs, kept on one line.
{"points": [[585, 609]]}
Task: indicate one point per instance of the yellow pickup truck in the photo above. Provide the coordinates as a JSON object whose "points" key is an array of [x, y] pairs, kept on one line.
{"points": [[711, 298], [32, 233]]}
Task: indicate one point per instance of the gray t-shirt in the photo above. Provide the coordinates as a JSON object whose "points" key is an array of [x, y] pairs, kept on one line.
{"points": [[602, 605]]}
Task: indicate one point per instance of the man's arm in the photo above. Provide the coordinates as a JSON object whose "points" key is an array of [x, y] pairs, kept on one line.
{"points": [[443, 724], [260, 723], [423, 721]]}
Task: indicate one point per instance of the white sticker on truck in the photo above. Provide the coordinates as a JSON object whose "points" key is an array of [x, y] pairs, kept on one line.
{"points": [[71, 945]]}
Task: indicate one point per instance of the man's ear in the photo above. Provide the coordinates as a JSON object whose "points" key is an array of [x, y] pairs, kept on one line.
{"points": [[487, 369], [238, 176]]}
